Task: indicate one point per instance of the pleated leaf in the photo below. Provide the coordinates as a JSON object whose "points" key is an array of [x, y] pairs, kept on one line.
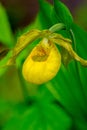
{"points": [[6, 36], [63, 13]]}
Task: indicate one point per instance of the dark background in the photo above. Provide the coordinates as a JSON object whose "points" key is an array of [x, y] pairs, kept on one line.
{"points": [[23, 12]]}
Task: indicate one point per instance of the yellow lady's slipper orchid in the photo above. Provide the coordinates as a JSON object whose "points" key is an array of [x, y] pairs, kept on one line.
{"points": [[43, 63]]}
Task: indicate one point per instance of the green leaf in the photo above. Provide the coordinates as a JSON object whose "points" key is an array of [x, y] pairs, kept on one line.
{"points": [[45, 13], [6, 36], [54, 17], [81, 48], [40, 115], [81, 40], [63, 13]]}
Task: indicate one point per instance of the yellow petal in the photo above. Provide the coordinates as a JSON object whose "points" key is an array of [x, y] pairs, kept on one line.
{"points": [[42, 64]]}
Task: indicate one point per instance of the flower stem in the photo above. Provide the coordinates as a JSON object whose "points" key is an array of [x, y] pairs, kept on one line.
{"points": [[53, 91], [57, 27], [23, 85]]}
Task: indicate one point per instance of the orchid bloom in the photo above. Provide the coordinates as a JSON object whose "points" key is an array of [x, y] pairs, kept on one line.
{"points": [[44, 61]]}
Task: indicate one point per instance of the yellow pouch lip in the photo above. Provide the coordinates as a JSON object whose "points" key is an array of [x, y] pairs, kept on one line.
{"points": [[40, 72]]}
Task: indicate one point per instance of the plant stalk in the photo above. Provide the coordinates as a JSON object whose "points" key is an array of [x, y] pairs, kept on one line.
{"points": [[57, 27], [23, 85]]}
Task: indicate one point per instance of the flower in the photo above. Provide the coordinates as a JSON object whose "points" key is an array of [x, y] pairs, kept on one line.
{"points": [[43, 63]]}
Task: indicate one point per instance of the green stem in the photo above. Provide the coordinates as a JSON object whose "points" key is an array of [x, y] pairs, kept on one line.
{"points": [[57, 27], [23, 86], [73, 38], [52, 90]]}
